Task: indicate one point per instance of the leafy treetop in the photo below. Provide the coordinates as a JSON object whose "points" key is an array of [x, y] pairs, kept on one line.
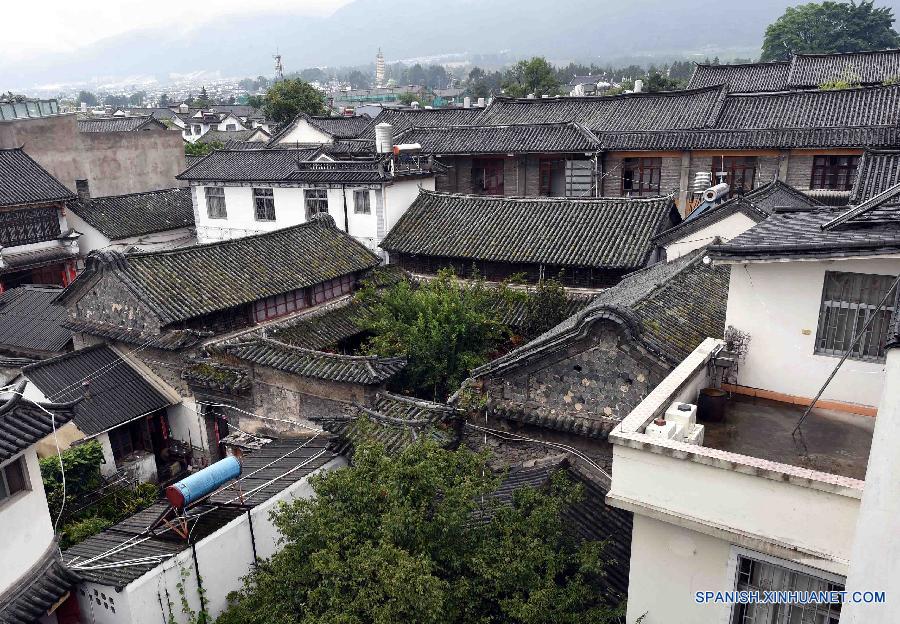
{"points": [[406, 539], [818, 28], [288, 98]]}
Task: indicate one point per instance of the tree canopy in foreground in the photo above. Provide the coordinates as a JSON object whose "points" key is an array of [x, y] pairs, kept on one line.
{"points": [[407, 538], [820, 28]]}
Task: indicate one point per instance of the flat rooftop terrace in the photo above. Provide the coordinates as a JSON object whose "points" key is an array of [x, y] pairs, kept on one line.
{"points": [[829, 441]]}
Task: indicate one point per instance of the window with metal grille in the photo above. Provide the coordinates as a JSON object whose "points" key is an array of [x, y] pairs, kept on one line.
{"points": [[13, 478], [316, 201], [264, 200], [361, 202], [834, 172], [753, 576], [849, 300], [739, 172], [215, 202]]}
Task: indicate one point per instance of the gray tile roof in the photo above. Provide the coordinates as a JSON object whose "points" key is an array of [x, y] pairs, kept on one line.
{"points": [[394, 422], [22, 423], [170, 340], [670, 110], [192, 281], [589, 232], [120, 124], [30, 323], [324, 328], [137, 214], [339, 172], [265, 473], [33, 595], [670, 307], [756, 204], [812, 70], [336, 127], [116, 393], [742, 78], [803, 71], [257, 165], [877, 171], [801, 235], [225, 136], [527, 138], [404, 118], [354, 369], [23, 181]]}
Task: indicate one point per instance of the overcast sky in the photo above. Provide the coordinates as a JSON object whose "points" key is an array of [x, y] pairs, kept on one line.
{"points": [[33, 27]]}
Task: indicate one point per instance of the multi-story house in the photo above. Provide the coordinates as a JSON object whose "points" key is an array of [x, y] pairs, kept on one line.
{"points": [[34, 584], [241, 192], [109, 154], [761, 487], [37, 245]]}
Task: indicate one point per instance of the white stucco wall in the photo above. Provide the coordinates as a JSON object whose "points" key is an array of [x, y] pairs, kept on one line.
{"points": [[223, 558], [187, 425], [726, 229], [92, 239], [108, 466], [778, 303], [26, 530], [303, 132], [668, 565], [400, 195], [876, 549]]}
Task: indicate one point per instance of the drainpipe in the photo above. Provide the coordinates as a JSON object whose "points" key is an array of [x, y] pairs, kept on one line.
{"points": [[346, 216]]}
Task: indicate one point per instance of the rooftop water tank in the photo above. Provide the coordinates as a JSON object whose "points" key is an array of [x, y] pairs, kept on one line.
{"points": [[384, 138], [203, 482], [716, 192]]}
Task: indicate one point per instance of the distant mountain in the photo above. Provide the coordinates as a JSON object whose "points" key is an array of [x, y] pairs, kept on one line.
{"points": [[562, 30]]}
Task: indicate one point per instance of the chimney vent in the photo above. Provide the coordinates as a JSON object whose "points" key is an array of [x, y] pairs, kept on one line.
{"points": [[83, 190]]}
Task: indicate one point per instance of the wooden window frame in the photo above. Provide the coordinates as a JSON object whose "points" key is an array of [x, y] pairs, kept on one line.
{"points": [[649, 176], [546, 167], [480, 176], [364, 206], [313, 200], [833, 172], [23, 483], [213, 210], [732, 165], [841, 318], [264, 203]]}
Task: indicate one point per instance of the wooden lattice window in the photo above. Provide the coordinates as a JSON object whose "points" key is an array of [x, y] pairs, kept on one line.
{"points": [[739, 172], [316, 202], [641, 176], [487, 176], [834, 172], [33, 225]]}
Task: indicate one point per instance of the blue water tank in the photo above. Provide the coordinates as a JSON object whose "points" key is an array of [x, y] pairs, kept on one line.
{"points": [[203, 482]]}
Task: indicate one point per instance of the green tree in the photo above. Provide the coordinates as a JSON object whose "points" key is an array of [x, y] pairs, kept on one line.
{"points": [[86, 97], [830, 27], [546, 307], [532, 76], [164, 100], [288, 98], [202, 149], [398, 539], [203, 100], [444, 327]]}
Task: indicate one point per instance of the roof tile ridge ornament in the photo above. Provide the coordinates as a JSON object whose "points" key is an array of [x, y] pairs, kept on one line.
{"points": [[716, 110], [100, 259]]}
